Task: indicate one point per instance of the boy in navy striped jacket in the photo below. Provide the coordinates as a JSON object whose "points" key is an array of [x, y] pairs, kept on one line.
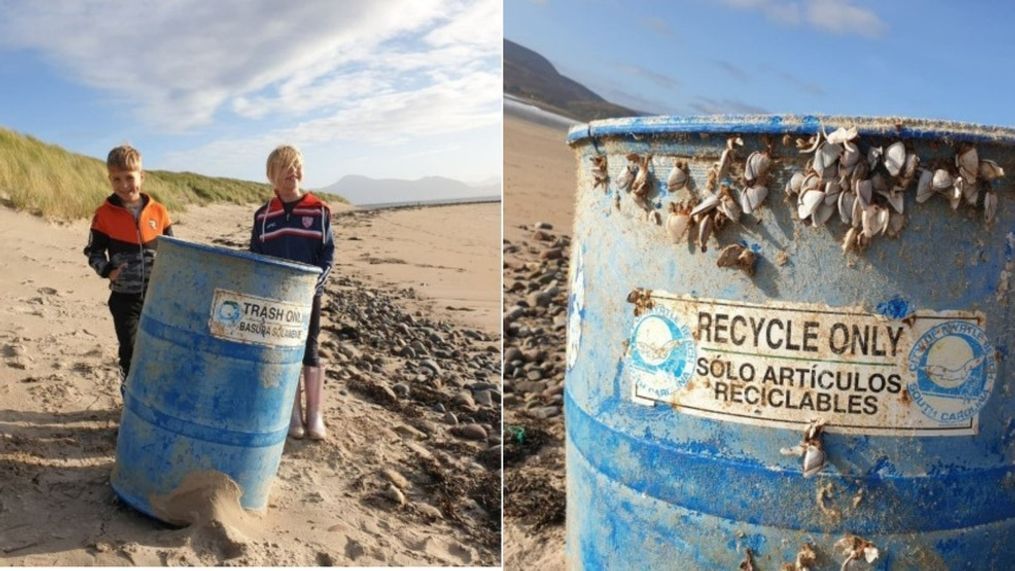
{"points": [[296, 225]]}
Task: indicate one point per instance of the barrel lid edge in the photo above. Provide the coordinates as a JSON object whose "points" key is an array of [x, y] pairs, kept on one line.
{"points": [[241, 254], [903, 127]]}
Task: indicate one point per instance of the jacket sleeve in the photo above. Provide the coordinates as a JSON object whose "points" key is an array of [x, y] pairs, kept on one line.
{"points": [[327, 253], [255, 237], [98, 243]]}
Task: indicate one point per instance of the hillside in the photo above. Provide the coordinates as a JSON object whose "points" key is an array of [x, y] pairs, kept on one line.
{"points": [[364, 190], [531, 77], [50, 181]]}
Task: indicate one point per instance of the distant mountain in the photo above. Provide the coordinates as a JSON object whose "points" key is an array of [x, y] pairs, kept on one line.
{"points": [[531, 77], [364, 190]]}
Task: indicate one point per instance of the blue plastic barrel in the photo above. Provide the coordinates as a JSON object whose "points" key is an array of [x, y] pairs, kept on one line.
{"points": [[692, 388], [216, 364]]}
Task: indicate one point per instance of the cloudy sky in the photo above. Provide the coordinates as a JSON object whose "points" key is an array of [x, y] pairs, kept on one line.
{"points": [[937, 59], [386, 89]]}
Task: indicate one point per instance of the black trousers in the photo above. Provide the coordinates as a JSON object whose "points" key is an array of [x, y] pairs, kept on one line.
{"points": [[310, 357], [126, 310]]}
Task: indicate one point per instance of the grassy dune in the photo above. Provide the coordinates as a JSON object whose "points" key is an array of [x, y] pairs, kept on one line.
{"points": [[49, 181]]}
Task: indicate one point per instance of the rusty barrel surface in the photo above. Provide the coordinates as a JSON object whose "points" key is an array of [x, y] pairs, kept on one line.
{"points": [[828, 380]]}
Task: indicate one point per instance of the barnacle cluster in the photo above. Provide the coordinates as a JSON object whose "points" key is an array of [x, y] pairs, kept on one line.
{"points": [[719, 204], [866, 188], [856, 548], [864, 185], [599, 172], [963, 182]]}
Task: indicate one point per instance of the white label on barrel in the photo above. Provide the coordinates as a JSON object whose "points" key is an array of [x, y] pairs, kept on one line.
{"points": [[251, 319], [784, 365]]}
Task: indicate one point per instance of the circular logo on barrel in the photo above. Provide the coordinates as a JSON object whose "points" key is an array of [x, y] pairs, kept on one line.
{"points": [[954, 367], [229, 312], [662, 349]]}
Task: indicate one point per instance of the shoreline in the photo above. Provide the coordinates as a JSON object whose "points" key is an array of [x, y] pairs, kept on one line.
{"points": [[429, 203]]}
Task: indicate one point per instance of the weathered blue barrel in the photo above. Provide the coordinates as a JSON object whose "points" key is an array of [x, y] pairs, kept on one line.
{"points": [[216, 363], [850, 400]]}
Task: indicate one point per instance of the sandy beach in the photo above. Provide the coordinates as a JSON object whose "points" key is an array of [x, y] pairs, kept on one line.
{"points": [[409, 473], [539, 187], [444, 252], [539, 176]]}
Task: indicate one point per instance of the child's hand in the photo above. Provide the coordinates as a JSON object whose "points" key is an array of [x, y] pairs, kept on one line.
{"points": [[116, 272]]}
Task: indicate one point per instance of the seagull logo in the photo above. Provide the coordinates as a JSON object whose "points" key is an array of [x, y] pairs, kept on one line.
{"points": [[953, 377], [955, 366], [663, 350], [659, 352]]}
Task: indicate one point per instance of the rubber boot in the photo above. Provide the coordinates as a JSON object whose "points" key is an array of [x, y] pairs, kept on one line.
{"points": [[296, 429], [314, 379]]}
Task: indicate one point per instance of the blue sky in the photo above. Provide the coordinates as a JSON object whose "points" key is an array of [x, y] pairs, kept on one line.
{"points": [[934, 59], [386, 89]]}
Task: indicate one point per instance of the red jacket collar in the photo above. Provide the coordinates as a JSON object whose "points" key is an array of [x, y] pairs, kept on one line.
{"points": [[308, 200]]}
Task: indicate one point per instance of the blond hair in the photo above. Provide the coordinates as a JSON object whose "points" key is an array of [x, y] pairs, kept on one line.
{"points": [[283, 157], [124, 158]]}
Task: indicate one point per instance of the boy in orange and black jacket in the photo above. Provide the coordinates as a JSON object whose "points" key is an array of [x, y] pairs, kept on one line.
{"points": [[121, 244]]}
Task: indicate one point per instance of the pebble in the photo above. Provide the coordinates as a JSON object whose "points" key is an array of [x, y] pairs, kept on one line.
{"points": [[470, 432], [544, 412], [401, 389], [409, 432], [484, 398], [552, 254], [540, 299], [394, 494], [421, 451], [349, 351], [512, 354], [513, 314], [429, 511], [395, 478], [465, 400], [388, 392], [432, 365], [423, 425]]}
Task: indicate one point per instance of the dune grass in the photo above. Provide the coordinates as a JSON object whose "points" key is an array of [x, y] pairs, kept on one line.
{"points": [[49, 181]]}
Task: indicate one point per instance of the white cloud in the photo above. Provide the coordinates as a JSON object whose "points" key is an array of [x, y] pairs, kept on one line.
{"points": [[841, 17], [836, 16], [178, 64], [479, 24], [394, 118]]}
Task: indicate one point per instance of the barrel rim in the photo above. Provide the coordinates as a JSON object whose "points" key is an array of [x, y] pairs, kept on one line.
{"points": [[207, 248], [903, 127]]}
